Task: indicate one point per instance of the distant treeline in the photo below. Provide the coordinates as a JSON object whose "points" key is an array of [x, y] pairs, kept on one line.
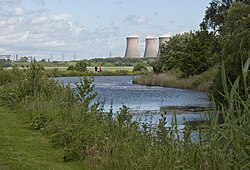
{"points": [[106, 62]]}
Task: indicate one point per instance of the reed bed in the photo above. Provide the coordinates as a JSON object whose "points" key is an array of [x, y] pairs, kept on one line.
{"points": [[172, 79]]}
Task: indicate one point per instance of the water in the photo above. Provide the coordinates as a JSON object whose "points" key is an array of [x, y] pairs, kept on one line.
{"points": [[146, 102]]}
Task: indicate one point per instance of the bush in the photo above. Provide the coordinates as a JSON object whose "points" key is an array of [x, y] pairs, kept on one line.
{"points": [[81, 66], [71, 67], [140, 67]]}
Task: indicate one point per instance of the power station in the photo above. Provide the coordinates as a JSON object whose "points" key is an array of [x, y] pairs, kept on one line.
{"points": [[151, 50], [150, 47], [132, 49], [162, 40]]}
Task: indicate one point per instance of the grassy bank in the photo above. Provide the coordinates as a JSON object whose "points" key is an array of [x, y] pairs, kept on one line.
{"points": [[172, 79], [76, 123], [107, 71], [24, 148]]}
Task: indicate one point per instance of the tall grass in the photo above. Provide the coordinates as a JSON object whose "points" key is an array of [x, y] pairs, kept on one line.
{"points": [[172, 79], [77, 123]]}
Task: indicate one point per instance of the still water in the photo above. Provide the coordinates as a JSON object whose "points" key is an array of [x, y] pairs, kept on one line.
{"points": [[145, 102]]}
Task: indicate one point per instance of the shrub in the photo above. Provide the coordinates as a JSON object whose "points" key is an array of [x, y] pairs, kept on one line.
{"points": [[140, 67]]}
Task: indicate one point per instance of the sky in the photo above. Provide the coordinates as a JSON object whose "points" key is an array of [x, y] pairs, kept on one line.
{"points": [[84, 29]]}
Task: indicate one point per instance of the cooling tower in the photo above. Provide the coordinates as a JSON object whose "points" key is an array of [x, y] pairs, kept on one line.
{"points": [[132, 49], [162, 41], [151, 47]]}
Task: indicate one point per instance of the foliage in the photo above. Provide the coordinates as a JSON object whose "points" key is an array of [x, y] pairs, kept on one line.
{"points": [[24, 59], [216, 13], [120, 61], [200, 53], [5, 63], [192, 53], [236, 48], [71, 67], [80, 66], [140, 67], [169, 55], [234, 131]]}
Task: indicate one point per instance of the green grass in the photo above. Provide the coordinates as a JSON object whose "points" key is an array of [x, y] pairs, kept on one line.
{"points": [[24, 148], [107, 71]]}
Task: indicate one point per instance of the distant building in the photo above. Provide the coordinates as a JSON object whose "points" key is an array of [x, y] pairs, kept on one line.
{"points": [[7, 57], [151, 47], [162, 41], [132, 49]]}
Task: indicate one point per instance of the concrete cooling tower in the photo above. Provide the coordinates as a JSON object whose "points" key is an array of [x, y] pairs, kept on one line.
{"points": [[132, 49], [151, 47], [162, 40]]}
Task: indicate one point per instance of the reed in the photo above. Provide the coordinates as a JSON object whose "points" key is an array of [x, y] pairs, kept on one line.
{"points": [[172, 79]]}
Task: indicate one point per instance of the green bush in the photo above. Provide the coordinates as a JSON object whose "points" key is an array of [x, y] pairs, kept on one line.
{"points": [[140, 67]]}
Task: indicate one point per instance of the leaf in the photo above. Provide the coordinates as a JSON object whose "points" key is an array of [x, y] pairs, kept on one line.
{"points": [[245, 69], [224, 80]]}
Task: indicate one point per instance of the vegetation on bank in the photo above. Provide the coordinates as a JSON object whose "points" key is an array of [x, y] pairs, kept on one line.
{"points": [[77, 123], [173, 79], [106, 71]]}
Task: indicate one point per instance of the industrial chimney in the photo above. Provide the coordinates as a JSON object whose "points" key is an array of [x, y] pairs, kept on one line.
{"points": [[151, 47], [162, 41], [132, 49]]}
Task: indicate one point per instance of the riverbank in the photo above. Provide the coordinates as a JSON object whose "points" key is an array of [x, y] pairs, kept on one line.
{"points": [[24, 148], [171, 79]]}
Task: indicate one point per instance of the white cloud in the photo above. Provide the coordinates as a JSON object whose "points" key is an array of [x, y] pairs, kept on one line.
{"points": [[11, 21], [137, 20], [18, 11], [40, 20], [61, 16]]}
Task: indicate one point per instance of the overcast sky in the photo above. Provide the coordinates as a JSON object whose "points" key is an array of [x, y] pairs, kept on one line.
{"points": [[90, 28]]}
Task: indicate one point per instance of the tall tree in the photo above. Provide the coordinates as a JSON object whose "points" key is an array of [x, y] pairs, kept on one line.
{"points": [[236, 46], [216, 14]]}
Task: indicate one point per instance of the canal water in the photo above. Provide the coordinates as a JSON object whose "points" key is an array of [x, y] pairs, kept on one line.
{"points": [[146, 103]]}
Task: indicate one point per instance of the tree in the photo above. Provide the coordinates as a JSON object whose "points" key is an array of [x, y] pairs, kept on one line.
{"points": [[200, 53], [24, 59], [236, 47], [140, 67], [216, 13], [81, 66], [170, 52], [192, 53]]}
